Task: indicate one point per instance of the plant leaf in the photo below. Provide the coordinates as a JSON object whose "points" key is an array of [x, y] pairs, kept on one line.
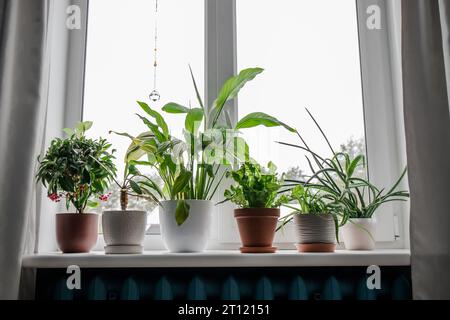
{"points": [[181, 182], [84, 126], [230, 89], [93, 204], [135, 187], [261, 119], [181, 212], [69, 132], [193, 120], [199, 98], [157, 116], [175, 108]]}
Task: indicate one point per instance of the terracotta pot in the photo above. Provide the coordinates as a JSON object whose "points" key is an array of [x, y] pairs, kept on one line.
{"points": [[315, 232], [76, 232], [257, 228]]}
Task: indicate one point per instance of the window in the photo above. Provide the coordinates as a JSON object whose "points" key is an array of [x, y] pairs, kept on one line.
{"points": [[311, 59], [310, 50], [119, 64]]}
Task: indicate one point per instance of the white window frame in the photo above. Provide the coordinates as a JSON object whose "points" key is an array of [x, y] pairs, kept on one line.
{"points": [[380, 52]]}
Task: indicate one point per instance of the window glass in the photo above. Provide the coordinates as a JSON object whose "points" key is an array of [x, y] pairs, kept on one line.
{"points": [[310, 53], [119, 66]]}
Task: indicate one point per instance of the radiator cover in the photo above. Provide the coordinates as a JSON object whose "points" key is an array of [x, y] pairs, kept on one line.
{"points": [[286, 283]]}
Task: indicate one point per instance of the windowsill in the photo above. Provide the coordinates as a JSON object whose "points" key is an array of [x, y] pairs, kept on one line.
{"points": [[163, 259]]}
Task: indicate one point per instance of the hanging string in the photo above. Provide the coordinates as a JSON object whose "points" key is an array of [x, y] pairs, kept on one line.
{"points": [[154, 95]]}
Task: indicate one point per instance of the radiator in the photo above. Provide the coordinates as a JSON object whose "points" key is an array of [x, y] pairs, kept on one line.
{"points": [[328, 283]]}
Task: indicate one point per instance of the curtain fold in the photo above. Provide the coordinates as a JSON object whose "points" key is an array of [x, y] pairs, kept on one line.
{"points": [[23, 71], [425, 59]]}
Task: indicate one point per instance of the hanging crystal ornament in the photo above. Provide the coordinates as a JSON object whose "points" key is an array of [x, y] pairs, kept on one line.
{"points": [[154, 95]]}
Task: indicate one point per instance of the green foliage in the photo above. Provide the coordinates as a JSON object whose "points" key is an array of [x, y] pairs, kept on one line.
{"points": [[261, 119], [181, 212], [308, 200], [339, 180], [77, 168], [256, 187], [194, 166]]}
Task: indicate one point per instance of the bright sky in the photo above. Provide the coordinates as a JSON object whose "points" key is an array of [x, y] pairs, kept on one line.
{"points": [[309, 49]]}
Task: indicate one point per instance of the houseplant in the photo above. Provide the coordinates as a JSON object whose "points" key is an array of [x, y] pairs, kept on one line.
{"points": [[78, 170], [257, 194], [316, 223], [193, 167], [124, 230], [354, 198], [359, 201]]}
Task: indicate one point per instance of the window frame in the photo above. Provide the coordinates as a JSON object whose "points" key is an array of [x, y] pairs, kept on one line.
{"points": [[385, 152]]}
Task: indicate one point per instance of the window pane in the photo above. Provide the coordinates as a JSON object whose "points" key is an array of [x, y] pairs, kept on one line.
{"points": [[119, 69], [310, 53]]}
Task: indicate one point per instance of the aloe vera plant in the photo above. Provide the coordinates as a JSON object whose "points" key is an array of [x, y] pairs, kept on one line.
{"points": [[193, 167]]}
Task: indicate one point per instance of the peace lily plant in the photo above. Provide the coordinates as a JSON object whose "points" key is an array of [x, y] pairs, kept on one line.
{"points": [[192, 167]]}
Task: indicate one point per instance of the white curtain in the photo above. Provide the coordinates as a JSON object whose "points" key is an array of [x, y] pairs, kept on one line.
{"points": [[23, 92], [425, 59], [41, 92]]}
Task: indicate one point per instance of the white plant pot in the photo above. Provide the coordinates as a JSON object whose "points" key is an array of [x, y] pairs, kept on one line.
{"points": [[193, 234], [124, 231], [359, 234]]}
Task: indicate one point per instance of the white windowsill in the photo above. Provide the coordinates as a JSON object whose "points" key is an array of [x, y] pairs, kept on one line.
{"points": [[163, 259]]}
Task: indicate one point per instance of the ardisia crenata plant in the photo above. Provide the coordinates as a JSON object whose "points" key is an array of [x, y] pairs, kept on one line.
{"points": [[192, 168], [77, 169], [351, 196], [256, 187]]}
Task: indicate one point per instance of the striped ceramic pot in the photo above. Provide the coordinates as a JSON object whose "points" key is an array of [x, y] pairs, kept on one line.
{"points": [[315, 232]]}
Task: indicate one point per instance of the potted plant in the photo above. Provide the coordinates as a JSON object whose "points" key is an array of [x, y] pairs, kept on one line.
{"points": [[192, 168], [316, 224], [354, 198], [359, 223], [78, 170], [124, 230], [256, 194]]}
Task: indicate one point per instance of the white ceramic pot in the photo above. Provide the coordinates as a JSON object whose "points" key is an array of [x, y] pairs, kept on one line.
{"points": [[359, 234], [193, 234], [124, 231]]}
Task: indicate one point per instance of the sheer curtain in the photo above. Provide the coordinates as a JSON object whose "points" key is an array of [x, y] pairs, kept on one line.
{"points": [[23, 91], [41, 92], [425, 60]]}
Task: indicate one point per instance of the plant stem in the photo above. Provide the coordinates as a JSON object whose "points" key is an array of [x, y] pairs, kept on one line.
{"points": [[123, 199]]}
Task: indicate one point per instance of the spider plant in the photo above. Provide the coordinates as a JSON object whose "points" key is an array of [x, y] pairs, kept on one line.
{"points": [[193, 167], [334, 177]]}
